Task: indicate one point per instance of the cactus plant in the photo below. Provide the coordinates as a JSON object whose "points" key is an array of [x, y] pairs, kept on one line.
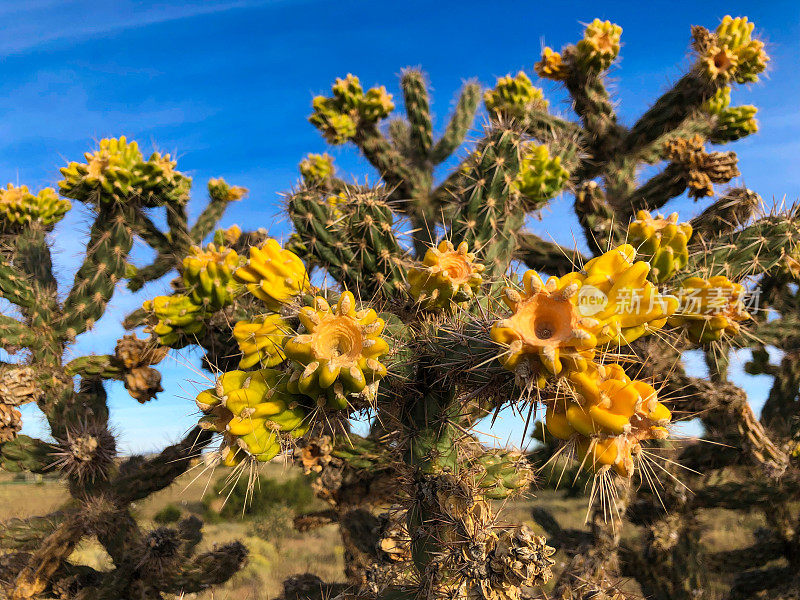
{"points": [[423, 324]]}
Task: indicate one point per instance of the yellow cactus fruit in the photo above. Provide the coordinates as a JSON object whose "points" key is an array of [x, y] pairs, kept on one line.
{"points": [[731, 53], [273, 274], [261, 341], [615, 291], [253, 410], [514, 97], [608, 417], [545, 329], [709, 308], [447, 276], [662, 241], [338, 353], [551, 66], [316, 168], [208, 275], [177, 317], [19, 207], [600, 45]]}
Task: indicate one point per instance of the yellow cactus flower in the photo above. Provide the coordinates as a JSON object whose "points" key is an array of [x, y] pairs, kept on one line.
{"points": [[551, 66], [261, 341], [709, 308], [273, 274], [600, 44], [208, 275], [545, 328], [18, 207], [614, 290], [252, 410], [608, 417], [178, 316], [338, 354], [662, 241], [447, 276], [731, 53]]}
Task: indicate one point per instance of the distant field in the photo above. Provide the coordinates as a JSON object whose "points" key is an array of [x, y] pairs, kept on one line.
{"points": [[319, 552]]}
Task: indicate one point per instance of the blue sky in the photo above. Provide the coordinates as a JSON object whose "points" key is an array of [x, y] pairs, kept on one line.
{"points": [[226, 86]]}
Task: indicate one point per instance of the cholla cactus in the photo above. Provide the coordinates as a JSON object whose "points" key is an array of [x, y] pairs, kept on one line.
{"points": [[422, 322]]}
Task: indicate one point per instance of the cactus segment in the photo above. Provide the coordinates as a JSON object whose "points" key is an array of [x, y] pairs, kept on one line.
{"points": [[541, 176], [178, 316], [709, 308], [339, 117], [337, 356], [447, 276], [273, 274], [19, 207], [261, 341], [208, 275], [117, 172], [252, 410], [500, 474], [662, 242], [514, 97]]}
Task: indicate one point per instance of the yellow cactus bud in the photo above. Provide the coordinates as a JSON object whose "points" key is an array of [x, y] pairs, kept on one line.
{"points": [[316, 168], [208, 275], [663, 242], [227, 237], [447, 275], [338, 354], [253, 410], [600, 44], [514, 97], [709, 308], [551, 66], [117, 172], [261, 341], [545, 328], [273, 274], [19, 207]]}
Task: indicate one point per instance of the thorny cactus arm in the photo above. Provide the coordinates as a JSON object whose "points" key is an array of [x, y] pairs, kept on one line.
{"points": [[119, 184]]}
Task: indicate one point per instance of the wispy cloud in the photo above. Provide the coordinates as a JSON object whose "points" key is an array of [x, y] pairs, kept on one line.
{"points": [[37, 24]]}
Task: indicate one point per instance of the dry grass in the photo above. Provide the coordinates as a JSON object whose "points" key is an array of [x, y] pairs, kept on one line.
{"points": [[319, 552]]}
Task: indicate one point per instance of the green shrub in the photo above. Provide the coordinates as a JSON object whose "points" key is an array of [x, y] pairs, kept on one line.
{"points": [[169, 514], [262, 497]]}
